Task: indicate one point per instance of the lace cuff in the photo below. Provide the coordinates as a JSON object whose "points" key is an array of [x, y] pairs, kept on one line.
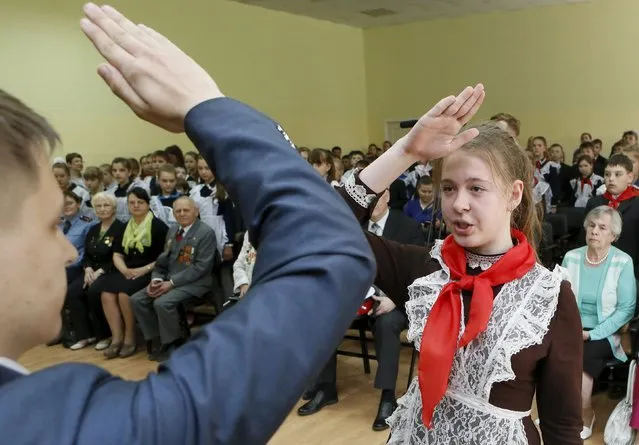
{"points": [[358, 191]]}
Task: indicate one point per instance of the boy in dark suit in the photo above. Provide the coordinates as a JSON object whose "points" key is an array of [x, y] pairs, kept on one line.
{"points": [[237, 380]]}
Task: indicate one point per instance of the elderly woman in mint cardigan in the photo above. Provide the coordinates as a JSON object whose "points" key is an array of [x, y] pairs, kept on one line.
{"points": [[603, 280]]}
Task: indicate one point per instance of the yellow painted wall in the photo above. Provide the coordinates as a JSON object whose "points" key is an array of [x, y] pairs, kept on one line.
{"points": [[561, 70], [306, 73]]}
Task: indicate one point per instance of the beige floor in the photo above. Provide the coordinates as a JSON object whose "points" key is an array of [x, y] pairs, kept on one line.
{"points": [[346, 423]]}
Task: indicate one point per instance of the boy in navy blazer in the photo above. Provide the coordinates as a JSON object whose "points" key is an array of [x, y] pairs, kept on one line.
{"points": [[238, 379]]}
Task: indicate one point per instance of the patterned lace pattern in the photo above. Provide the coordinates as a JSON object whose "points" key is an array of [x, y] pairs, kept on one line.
{"points": [[521, 316]]}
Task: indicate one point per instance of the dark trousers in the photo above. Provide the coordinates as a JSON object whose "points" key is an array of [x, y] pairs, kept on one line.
{"points": [[386, 330], [76, 305]]}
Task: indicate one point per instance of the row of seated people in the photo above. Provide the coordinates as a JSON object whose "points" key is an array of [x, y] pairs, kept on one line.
{"points": [[141, 269]]}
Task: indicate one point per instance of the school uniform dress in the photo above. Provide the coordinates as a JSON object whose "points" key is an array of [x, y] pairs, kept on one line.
{"points": [[532, 345], [152, 185], [231, 384], [120, 193], [244, 265], [204, 196], [585, 188], [549, 172], [98, 255], [162, 208], [118, 283], [606, 296]]}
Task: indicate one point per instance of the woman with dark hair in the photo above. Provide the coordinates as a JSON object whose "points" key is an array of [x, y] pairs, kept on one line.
{"points": [[134, 258], [177, 157], [190, 163], [322, 161]]}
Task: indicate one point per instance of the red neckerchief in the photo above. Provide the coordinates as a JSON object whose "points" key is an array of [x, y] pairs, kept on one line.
{"points": [[441, 333], [585, 181], [627, 194]]}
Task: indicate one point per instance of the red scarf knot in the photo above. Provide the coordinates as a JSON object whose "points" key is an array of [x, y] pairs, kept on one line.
{"points": [[627, 194], [441, 331], [585, 181]]}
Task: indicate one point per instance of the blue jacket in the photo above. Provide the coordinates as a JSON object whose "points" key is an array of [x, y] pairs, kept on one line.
{"points": [[237, 380], [77, 235]]}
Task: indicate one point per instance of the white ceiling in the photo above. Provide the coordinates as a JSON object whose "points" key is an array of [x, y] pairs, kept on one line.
{"points": [[394, 12]]}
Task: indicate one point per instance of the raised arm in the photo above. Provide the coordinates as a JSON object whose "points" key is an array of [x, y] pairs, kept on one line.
{"points": [[398, 265], [237, 381]]}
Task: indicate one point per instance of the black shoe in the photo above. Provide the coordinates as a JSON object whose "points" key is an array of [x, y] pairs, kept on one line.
{"points": [[386, 409], [163, 353], [323, 397], [310, 393]]}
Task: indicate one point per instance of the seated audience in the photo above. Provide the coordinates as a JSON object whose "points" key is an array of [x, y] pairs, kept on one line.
{"points": [[585, 186], [600, 161], [207, 195], [134, 258], [93, 183], [420, 208], [621, 195], [387, 323], [629, 137], [76, 165], [563, 193], [336, 152], [121, 171], [190, 163], [162, 203], [183, 272], [63, 177], [243, 268], [509, 123], [322, 161], [75, 226], [602, 278], [135, 169], [176, 157], [107, 178], [98, 262], [146, 167], [304, 152], [158, 159]]}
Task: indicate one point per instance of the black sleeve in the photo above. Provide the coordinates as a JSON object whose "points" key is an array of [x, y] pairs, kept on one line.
{"points": [[158, 238]]}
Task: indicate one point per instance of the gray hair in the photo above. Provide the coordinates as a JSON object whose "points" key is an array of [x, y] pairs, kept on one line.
{"points": [[104, 196], [615, 217], [187, 199]]}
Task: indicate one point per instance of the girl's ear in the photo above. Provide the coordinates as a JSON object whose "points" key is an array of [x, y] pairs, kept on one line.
{"points": [[516, 195]]}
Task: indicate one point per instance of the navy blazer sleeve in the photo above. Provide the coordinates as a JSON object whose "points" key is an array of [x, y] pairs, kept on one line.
{"points": [[238, 379]]}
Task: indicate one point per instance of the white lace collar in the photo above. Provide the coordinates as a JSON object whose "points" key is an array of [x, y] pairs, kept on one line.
{"points": [[483, 262]]}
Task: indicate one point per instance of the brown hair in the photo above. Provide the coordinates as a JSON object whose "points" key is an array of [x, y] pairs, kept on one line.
{"points": [[24, 134], [620, 160], [320, 156], [510, 120], [167, 168], [76, 198], [61, 166], [93, 173], [586, 158], [508, 163]]}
